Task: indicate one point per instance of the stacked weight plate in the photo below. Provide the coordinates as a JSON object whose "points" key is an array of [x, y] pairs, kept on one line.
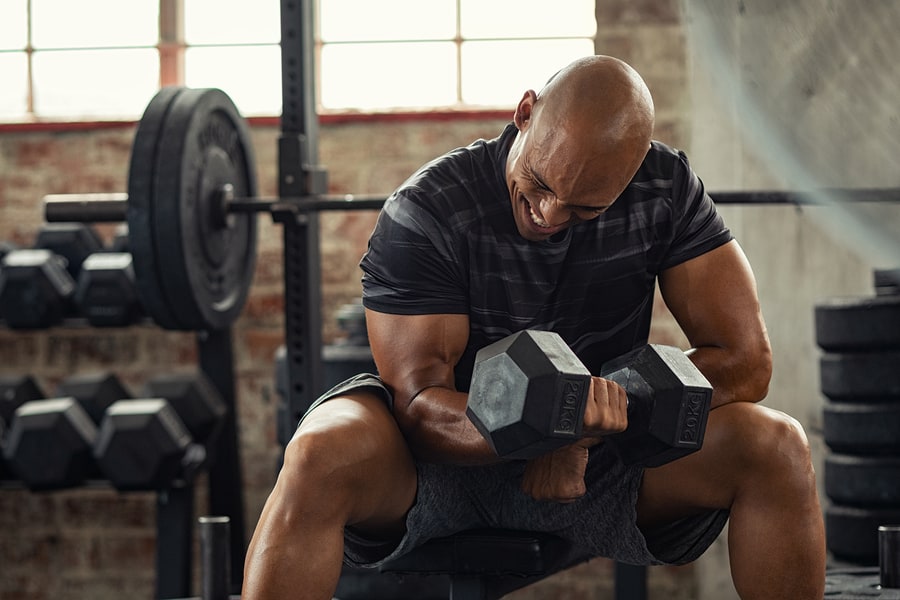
{"points": [[860, 377]]}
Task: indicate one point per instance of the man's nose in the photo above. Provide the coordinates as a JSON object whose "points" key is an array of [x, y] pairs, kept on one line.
{"points": [[554, 214]]}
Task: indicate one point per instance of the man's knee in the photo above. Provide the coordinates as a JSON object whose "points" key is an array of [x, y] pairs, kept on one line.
{"points": [[763, 441], [345, 447], [337, 435]]}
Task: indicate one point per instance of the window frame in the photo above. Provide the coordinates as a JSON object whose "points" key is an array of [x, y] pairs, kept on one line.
{"points": [[172, 47]]}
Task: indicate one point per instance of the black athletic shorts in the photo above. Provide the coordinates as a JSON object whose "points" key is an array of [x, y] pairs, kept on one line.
{"points": [[450, 499]]}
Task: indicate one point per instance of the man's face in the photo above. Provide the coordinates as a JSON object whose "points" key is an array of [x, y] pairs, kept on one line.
{"points": [[552, 188]]}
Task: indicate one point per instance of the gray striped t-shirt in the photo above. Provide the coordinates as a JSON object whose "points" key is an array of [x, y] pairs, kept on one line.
{"points": [[446, 242]]}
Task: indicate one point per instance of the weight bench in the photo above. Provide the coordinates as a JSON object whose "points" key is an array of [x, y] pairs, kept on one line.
{"points": [[486, 564]]}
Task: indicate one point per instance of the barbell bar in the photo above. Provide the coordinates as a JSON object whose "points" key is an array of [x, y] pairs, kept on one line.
{"points": [[112, 207]]}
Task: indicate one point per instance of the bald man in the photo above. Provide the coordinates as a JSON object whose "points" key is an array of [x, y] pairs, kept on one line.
{"points": [[565, 222]]}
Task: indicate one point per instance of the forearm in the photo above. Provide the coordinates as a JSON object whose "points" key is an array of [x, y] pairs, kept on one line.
{"points": [[437, 429]]}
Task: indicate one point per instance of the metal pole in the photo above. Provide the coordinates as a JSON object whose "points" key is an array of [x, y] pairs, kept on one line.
{"points": [[226, 492], [298, 176], [214, 558], [889, 556]]}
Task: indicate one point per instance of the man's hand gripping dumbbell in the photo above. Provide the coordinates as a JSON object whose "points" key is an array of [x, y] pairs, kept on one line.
{"points": [[532, 398]]}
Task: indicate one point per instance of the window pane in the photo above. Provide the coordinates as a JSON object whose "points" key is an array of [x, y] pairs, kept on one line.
{"points": [[368, 20], [536, 61], [231, 22], [14, 75], [95, 83], [527, 18], [94, 23], [370, 76], [250, 75], [13, 25]]}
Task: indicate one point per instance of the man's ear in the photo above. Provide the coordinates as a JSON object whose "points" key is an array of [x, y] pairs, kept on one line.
{"points": [[524, 110]]}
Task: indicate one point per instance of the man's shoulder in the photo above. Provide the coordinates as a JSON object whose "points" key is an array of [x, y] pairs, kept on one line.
{"points": [[662, 159], [479, 163]]}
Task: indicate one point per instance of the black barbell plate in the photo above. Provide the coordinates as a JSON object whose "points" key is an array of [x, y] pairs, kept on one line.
{"points": [[866, 481], [140, 206], [858, 324], [852, 533], [860, 428], [207, 262], [860, 377]]}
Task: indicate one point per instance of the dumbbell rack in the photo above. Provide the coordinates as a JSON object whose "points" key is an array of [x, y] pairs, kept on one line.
{"points": [[175, 504]]}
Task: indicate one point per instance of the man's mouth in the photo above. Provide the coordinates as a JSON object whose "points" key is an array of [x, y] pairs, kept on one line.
{"points": [[535, 218]]}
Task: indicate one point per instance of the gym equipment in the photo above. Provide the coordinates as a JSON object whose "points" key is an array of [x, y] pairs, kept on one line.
{"points": [[889, 556], [862, 428], [195, 400], [851, 533], [120, 239], [6, 248], [95, 392], [16, 390], [477, 562], [106, 293], [859, 377], [149, 443], [529, 390], [886, 282], [49, 444], [866, 481], [143, 445], [858, 324], [215, 567], [191, 209], [35, 289], [351, 354], [51, 441], [72, 241]]}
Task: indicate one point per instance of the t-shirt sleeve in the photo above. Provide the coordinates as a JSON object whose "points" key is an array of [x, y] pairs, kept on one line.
{"points": [[413, 265], [697, 225]]}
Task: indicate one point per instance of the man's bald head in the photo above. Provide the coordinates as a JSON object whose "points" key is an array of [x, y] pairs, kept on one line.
{"points": [[600, 96], [580, 142]]}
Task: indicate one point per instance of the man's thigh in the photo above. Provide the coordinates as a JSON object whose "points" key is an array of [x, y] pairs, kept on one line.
{"points": [[351, 448], [740, 443]]}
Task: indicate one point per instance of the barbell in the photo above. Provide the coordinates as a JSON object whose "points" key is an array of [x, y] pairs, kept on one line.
{"points": [[191, 208]]}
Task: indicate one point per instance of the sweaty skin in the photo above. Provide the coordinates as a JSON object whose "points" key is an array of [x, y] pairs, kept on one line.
{"points": [[351, 462]]}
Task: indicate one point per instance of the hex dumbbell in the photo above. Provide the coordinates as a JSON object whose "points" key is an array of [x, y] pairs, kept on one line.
{"points": [[106, 292], [72, 241], [15, 390], [529, 390], [149, 443], [35, 289], [50, 442]]}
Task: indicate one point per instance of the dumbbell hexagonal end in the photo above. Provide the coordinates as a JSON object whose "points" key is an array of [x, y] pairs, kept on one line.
{"points": [[527, 394], [141, 444], [195, 400], [49, 444], [35, 289], [669, 400]]}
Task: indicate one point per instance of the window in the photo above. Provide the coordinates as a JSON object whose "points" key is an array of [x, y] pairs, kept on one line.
{"points": [[414, 53], [61, 59], [64, 59]]}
